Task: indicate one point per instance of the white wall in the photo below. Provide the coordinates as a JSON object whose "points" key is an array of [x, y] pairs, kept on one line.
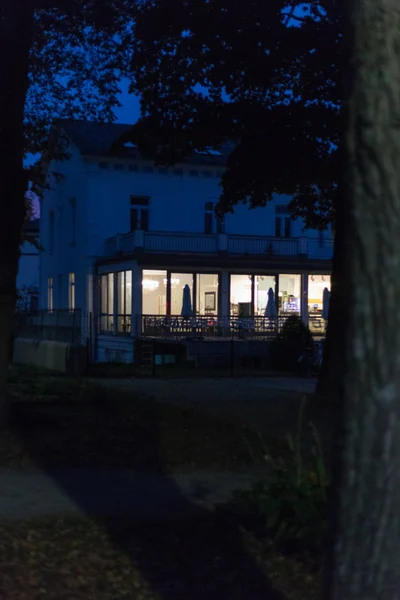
{"points": [[103, 210], [28, 267], [176, 202], [68, 252]]}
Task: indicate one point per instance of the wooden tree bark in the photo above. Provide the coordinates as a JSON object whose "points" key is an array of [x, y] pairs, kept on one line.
{"points": [[16, 23], [366, 558]]}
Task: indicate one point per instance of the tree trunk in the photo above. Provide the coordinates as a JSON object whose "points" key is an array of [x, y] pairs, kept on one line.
{"points": [[16, 25], [366, 558]]}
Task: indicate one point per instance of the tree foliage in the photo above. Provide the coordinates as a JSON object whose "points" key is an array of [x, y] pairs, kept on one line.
{"points": [[212, 72], [78, 54], [60, 58]]}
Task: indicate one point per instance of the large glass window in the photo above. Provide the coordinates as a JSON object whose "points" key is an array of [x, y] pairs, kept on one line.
{"points": [[124, 301], [154, 292], [316, 286], [289, 296], [178, 282], [262, 283], [107, 302], [207, 294], [50, 294], [71, 291], [241, 295]]}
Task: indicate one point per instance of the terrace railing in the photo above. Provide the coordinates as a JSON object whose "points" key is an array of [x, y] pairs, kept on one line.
{"points": [[178, 327], [198, 243]]}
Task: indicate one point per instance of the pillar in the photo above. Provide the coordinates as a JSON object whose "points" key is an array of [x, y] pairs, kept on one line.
{"points": [[225, 296], [137, 299], [304, 298]]}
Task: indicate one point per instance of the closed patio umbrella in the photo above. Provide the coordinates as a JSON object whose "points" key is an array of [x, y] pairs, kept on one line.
{"points": [[270, 309], [186, 302], [325, 303]]}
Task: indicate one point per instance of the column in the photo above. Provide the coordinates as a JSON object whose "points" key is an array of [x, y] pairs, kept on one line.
{"points": [[137, 300], [225, 296], [304, 298]]}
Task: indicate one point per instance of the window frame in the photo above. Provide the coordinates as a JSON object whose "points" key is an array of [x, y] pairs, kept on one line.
{"points": [[113, 316], [50, 299], [139, 205], [109, 316], [126, 316], [71, 292]]}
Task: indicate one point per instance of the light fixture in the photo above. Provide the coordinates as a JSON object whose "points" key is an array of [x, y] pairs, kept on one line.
{"points": [[174, 281], [150, 284]]}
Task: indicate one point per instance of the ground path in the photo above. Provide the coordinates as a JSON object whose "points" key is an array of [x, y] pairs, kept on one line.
{"points": [[64, 491], [115, 492]]}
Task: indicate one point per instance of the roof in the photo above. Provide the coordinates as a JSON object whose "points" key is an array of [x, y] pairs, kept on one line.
{"points": [[98, 139]]}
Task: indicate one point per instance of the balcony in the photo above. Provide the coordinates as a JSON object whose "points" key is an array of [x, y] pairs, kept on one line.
{"points": [[234, 245]]}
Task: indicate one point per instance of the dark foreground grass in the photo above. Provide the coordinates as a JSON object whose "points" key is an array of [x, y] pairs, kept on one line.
{"points": [[63, 421], [66, 422], [80, 559], [59, 421]]}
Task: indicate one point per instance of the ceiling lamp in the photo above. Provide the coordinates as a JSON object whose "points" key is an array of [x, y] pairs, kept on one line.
{"points": [[150, 284]]}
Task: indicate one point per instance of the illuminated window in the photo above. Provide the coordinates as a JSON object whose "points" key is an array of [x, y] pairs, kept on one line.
{"points": [[124, 301], [71, 291], [50, 294], [154, 292], [107, 303]]}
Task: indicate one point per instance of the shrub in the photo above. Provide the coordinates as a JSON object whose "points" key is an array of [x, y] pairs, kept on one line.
{"points": [[293, 340], [293, 498]]}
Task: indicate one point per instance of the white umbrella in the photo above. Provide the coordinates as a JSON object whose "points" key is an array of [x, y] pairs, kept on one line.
{"points": [[186, 302], [325, 303], [270, 309]]}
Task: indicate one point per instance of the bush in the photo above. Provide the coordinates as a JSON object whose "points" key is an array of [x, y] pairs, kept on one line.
{"points": [[293, 498], [293, 340]]}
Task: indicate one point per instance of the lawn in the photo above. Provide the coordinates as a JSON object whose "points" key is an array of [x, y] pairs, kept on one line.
{"points": [[80, 559], [60, 421], [57, 421]]}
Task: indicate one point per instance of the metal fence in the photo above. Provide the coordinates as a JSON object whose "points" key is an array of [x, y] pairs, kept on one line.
{"points": [[177, 327], [56, 325]]}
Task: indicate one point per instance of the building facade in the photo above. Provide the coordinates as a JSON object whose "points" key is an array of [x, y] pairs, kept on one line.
{"points": [[121, 238], [28, 268]]}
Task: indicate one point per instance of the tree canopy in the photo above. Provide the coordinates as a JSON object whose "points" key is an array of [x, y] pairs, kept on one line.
{"points": [[212, 72], [78, 54]]}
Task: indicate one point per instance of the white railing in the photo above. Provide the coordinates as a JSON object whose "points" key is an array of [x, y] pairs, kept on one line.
{"points": [[180, 242], [197, 243], [240, 244]]}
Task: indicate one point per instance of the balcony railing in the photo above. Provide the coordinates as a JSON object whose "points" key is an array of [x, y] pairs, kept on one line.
{"points": [[180, 242], [178, 327], [238, 245]]}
